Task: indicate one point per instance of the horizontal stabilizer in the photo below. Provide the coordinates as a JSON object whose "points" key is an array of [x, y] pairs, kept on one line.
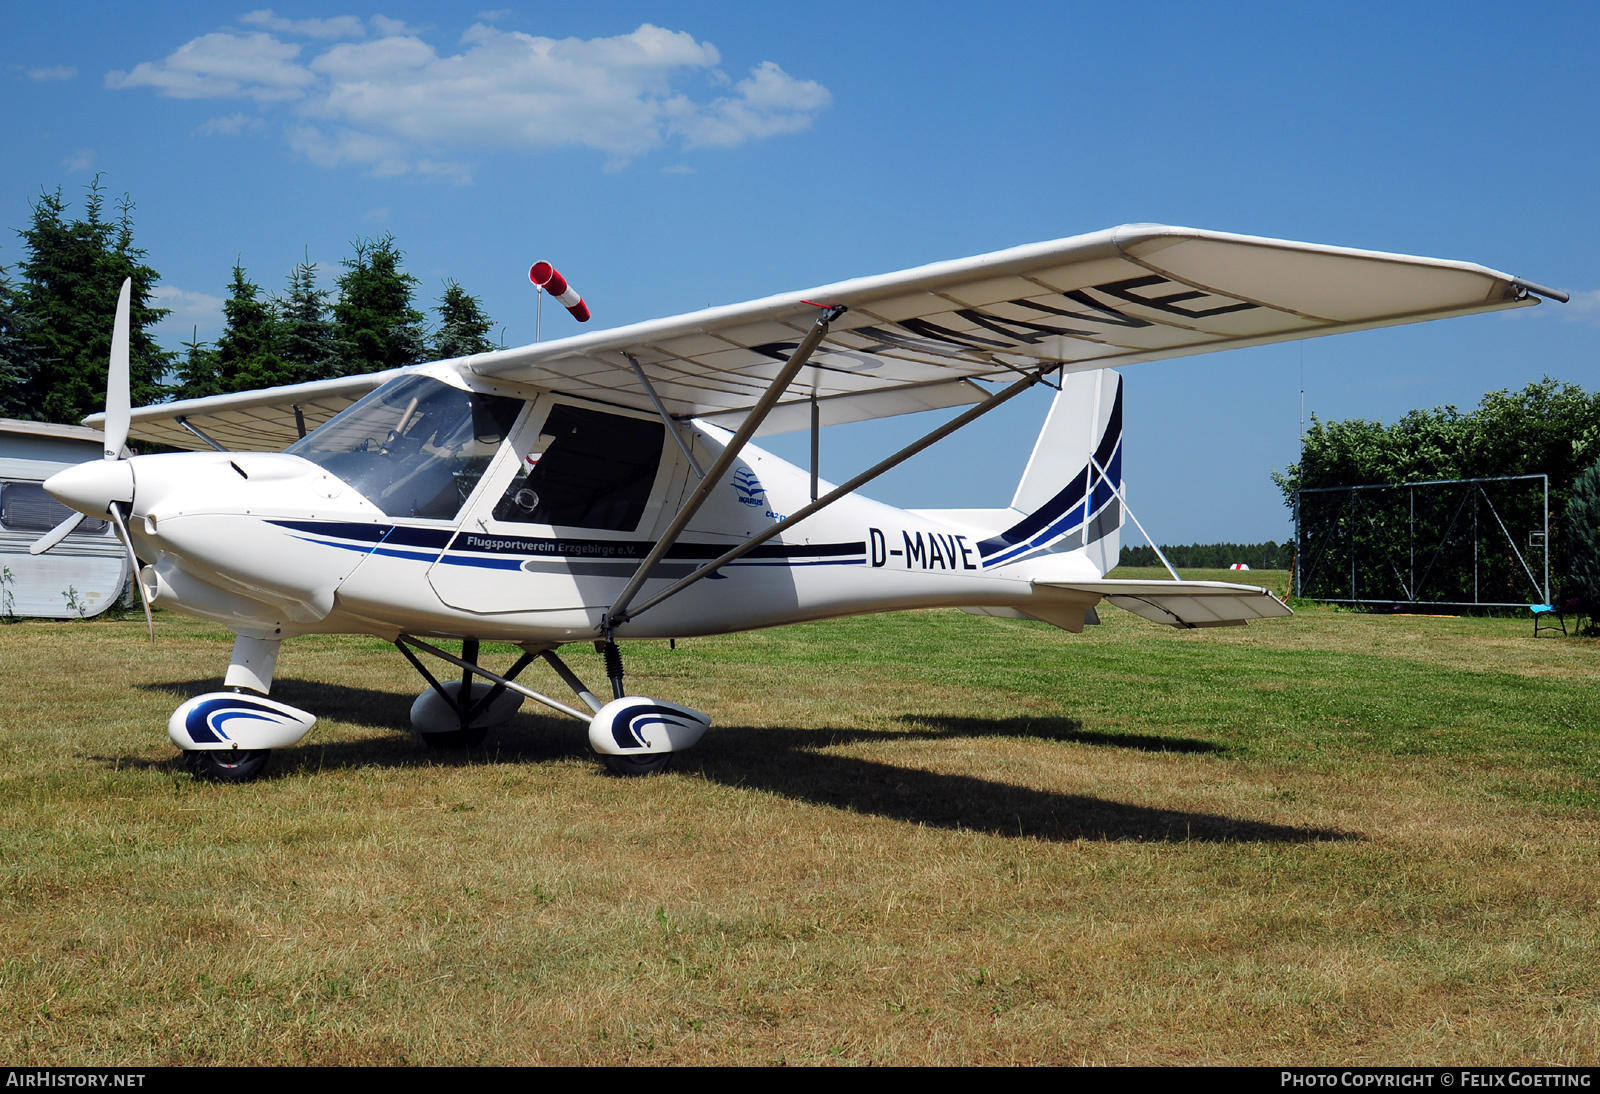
{"points": [[1183, 603]]}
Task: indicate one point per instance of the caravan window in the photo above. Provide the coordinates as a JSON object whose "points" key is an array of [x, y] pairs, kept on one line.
{"points": [[587, 469], [25, 507]]}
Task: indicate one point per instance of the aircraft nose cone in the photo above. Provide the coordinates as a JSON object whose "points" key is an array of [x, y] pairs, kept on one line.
{"points": [[92, 487]]}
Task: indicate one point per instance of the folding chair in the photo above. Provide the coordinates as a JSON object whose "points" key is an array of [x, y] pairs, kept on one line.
{"points": [[1542, 614]]}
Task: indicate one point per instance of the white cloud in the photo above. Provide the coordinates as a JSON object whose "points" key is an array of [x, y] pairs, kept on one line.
{"points": [[393, 104], [58, 72], [1583, 305], [190, 310], [229, 125], [340, 26], [769, 102], [81, 160], [493, 16], [388, 28], [223, 66]]}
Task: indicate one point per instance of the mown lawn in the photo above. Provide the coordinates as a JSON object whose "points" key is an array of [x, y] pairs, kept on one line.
{"points": [[914, 838]]}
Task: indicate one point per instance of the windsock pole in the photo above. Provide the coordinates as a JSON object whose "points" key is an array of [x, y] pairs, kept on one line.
{"points": [[546, 277]]}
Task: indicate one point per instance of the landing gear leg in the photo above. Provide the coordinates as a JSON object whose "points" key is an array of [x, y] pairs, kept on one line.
{"points": [[249, 672], [626, 766], [607, 648], [466, 735], [460, 715]]}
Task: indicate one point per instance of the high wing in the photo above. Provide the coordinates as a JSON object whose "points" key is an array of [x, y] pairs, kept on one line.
{"points": [[918, 339], [265, 420]]}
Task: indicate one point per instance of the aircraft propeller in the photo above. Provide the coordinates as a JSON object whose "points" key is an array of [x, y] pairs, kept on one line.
{"points": [[119, 412]]}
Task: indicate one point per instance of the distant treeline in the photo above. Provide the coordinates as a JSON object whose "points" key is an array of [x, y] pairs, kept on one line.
{"points": [[58, 300], [1213, 556]]}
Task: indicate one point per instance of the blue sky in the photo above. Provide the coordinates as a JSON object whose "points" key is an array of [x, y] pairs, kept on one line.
{"points": [[685, 154]]}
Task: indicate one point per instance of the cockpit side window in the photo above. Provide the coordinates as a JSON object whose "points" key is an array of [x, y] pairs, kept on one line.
{"points": [[415, 447], [587, 469]]}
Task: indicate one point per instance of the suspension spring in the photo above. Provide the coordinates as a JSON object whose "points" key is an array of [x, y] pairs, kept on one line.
{"points": [[613, 659]]}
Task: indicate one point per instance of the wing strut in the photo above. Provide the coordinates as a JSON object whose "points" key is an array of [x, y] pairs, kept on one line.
{"points": [[758, 414], [1005, 394], [672, 426], [181, 420]]}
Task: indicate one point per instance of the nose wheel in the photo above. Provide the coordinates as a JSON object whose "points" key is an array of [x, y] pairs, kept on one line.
{"points": [[633, 767]]}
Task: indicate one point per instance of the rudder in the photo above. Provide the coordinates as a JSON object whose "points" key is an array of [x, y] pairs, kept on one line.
{"points": [[1068, 501]]}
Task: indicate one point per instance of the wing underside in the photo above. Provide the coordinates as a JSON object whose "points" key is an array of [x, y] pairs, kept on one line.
{"points": [[923, 338]]}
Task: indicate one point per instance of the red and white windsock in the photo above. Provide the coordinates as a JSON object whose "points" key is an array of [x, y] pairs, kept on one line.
{"points": [[550, 280]]}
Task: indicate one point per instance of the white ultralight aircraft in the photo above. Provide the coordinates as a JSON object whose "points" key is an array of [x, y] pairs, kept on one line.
{"points": [[602, 487]]}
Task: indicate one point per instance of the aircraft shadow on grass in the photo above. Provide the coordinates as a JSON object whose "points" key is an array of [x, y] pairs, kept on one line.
{"points": [[800, 764]]}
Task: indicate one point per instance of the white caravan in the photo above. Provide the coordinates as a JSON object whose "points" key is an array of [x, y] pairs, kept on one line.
{"points": [[89, 572], [602, 488]]}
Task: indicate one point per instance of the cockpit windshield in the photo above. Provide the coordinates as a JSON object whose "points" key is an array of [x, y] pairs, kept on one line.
{"points": [[415, 447]]}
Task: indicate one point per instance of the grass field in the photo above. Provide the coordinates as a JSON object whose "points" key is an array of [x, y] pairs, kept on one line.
{"points": [[914, 838]]}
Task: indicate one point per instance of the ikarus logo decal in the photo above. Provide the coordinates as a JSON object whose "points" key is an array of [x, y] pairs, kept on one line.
{"points": [[748, 487]]}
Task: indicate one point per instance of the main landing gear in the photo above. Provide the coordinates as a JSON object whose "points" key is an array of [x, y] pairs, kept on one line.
{"points": [[626, 766], [228, 736], [633, 735], [459, 713]]}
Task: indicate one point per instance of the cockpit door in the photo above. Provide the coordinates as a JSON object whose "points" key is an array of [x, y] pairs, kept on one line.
{"points": [[568, 514]]}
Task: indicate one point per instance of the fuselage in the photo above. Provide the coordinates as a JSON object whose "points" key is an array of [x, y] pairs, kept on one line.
{"points": [[520, 518]]}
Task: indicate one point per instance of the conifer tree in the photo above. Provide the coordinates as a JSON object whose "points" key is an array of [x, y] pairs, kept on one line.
{"points": [[463, 327], [375, 322], [247, 352], [17, 353], [197, 373], [1583, 536], [71, 277], [305, 335]]}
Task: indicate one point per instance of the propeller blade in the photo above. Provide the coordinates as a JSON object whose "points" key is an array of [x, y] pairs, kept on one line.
{"points": [[133, 557], [54, 535], [118, 408]]}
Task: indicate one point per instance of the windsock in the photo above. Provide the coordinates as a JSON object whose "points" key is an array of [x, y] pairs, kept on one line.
{"points": [[550, 280]]}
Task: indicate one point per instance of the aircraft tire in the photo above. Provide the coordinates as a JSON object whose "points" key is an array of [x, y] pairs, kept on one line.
{"points": [[227, 766], [456, 738], [633, 767]]}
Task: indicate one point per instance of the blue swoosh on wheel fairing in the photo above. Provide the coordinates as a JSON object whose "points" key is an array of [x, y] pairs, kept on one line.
{"points": [[622, 725], [203, 730]]}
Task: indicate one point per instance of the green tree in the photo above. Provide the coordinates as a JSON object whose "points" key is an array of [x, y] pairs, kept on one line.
{"points": [[197, 372], [71, 276], [247, 352], [463, 327], [1583, 535], [17, 354], [306, 342], [1548, 428], [375, 322]]}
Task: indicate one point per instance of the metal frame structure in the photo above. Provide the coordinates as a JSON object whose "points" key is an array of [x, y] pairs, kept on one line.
{"points": [[468, 711], [1409, 583]]}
